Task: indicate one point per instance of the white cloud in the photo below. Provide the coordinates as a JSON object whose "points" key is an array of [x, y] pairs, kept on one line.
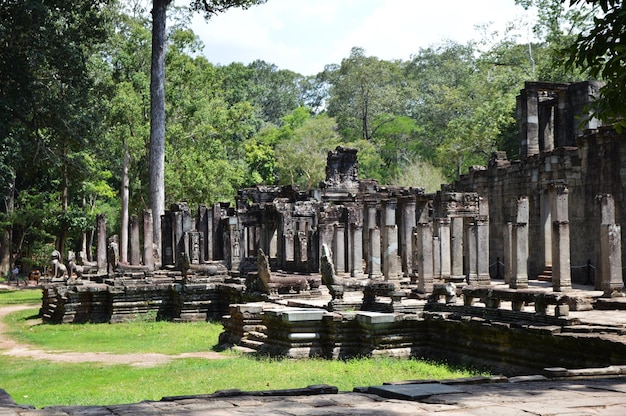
{"points": [[305, 35]]}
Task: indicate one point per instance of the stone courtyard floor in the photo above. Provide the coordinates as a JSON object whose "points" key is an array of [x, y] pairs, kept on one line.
{"points": [[509, 397]]}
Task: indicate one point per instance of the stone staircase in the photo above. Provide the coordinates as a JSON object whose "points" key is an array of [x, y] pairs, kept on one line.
{"points": [[546, 275]]}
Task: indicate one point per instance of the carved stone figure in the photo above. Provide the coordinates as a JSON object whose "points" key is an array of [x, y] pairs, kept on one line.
{"points": [[57, 268], [450, 289], [274, 284], [74, 268], [329, 277]]}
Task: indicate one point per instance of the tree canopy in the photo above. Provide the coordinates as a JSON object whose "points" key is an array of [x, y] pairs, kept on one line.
{"points": [[77, 111]]}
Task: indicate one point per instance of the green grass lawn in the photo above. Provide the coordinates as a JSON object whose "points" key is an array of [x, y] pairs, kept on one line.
{"points": [[44, 383], [13, 297]]}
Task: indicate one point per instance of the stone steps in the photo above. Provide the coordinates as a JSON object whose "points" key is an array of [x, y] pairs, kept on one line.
{"points": [[546, 275]]}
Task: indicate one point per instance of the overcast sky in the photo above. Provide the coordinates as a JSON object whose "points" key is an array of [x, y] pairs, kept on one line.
{"points": [[306, 35]]}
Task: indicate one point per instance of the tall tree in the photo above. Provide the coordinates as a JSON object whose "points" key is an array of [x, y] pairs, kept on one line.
{"points": [[49, 104], [365, 93], [157, 96]]}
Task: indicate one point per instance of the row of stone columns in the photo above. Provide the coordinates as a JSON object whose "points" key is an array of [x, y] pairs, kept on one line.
{"points": [[135, 242], [516, 244]]}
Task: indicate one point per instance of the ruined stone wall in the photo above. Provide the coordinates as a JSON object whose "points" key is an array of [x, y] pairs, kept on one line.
{"points": [[593, 168]]}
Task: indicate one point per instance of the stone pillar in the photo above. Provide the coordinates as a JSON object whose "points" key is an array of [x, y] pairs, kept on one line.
{"points": [[369, 224], [339, 248], [148, 241], [561, 272], [216, 233], [482, 243], [519, 279], [167, 239], [202, 225], [391, 271], [388, 207], [374, 269], [509, 257], [482, 246], [289, 246], [235, 243], [424, 257], [457, 228], [179, 241], [444, 249], [273, 249], [194, 245], [610, 267], [356, 254], [546, 223], [388, 217], [471, 252], [406, 234], [135, 242], [532, 122], [101, 222], [436, 258]]}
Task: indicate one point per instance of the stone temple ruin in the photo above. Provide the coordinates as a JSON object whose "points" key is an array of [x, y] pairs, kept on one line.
{"points": [[515, 266]]}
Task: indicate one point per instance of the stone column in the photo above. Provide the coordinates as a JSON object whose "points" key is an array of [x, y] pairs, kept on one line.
{"points": [[424, 257], [457, 228], [167, 239], [388, 208], [216, 233], [436, 258], [532, 123], [356, 254], [471, 252], [273, 248], [509, 257], [101, 222], [235, 243], [561, 271], [202, 225], [406, 234], [482, 243], [148, 241], [369, 224], [194, 247], [135, 249], [388, 217], [339, 248], [444, 248], [391, 271], [374, 269], [179, 241], [519, 279], [610, 270], [482, 250]]}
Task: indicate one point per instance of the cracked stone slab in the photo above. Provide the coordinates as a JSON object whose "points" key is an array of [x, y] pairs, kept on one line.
{"points": [[413, 391]]}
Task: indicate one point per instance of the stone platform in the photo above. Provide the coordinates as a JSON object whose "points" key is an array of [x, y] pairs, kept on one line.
{"points": [[532, 395]]}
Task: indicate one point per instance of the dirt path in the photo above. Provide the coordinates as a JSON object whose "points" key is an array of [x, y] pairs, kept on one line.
{"points": [[15, 349]]}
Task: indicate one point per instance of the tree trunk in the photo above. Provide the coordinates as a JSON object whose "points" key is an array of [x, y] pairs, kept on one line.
{"points": [[62, 236], [157, 118], [125, 198], [6, 236]]}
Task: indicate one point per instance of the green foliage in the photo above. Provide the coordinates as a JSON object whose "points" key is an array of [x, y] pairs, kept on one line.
{"points": [[601, 51], [365, 93], [301, 159], [420, 174]]}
